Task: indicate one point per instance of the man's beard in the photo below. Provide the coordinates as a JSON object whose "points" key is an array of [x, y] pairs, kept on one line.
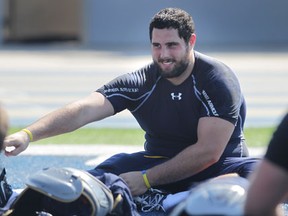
{"points": [[178, 69]]}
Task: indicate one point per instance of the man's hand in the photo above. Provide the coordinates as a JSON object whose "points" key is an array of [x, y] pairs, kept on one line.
{"points": [[135, 182], [16, 143]]}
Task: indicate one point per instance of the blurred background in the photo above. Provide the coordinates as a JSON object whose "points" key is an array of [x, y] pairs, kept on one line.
{"points": [[55, 51]]}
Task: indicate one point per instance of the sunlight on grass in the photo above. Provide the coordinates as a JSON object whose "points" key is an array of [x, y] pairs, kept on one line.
{"points": [[255, 137], [258, 137]]}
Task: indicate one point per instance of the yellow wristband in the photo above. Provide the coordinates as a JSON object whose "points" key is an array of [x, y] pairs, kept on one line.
{"points": [[29, 134], [146, 181]]}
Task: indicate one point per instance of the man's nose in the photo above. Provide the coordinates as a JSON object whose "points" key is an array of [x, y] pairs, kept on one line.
{"points": [[164, 53]]}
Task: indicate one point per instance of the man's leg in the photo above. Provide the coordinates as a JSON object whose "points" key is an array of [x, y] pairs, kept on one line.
{"points": [[242, 166], [121, 163]]}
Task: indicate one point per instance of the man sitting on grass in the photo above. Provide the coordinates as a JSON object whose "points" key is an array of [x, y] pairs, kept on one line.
{"points": [[190, 106]]}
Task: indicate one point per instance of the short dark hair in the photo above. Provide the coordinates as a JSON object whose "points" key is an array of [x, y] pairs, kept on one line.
{"points": [[173, 18], [3, 126]]}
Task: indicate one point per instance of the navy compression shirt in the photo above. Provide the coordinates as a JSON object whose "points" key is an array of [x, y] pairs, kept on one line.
{"points": [[169, 114]]}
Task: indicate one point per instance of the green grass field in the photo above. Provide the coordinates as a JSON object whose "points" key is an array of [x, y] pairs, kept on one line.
{"points": [[255, 137]]}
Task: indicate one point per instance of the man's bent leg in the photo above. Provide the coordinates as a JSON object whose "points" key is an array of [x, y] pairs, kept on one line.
{"points": [[242, 166], [123, 162]]}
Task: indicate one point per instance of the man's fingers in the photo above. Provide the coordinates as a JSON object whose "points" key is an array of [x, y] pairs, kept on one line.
{"points": [[12, 151]]}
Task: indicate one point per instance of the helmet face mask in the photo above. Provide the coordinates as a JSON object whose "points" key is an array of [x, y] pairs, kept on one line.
{"points": [[63, 191], [32, 202]]}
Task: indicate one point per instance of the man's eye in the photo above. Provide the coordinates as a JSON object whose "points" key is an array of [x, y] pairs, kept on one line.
{"points": [[156, 45], [172, 45]]}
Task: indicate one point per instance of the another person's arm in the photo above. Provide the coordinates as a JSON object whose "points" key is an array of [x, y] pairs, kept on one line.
{"points": [[69, 118], [269, 182], [268, 187]]}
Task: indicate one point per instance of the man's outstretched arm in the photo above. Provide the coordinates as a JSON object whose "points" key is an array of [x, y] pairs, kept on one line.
{"points": [[66, 119]]}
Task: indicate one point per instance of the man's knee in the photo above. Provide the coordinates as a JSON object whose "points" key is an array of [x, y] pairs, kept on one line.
{"points": [[242, 166], [247, 166]]}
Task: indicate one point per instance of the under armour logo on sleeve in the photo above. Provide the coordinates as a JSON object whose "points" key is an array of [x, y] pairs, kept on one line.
{"points": [[176, 96]]}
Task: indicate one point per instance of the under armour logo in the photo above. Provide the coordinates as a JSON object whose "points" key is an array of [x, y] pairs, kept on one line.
{"points": [[178, 96]]}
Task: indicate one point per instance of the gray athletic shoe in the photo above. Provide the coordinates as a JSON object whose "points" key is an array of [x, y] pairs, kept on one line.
{"points": [[152, 200]]}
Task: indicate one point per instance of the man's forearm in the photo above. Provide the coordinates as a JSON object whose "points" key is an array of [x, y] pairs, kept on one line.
{"points": [[187, 163], [57, 122], [73, 116]]}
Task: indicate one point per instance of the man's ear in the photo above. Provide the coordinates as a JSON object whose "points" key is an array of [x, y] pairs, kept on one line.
{"points": [[192, 41]]}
